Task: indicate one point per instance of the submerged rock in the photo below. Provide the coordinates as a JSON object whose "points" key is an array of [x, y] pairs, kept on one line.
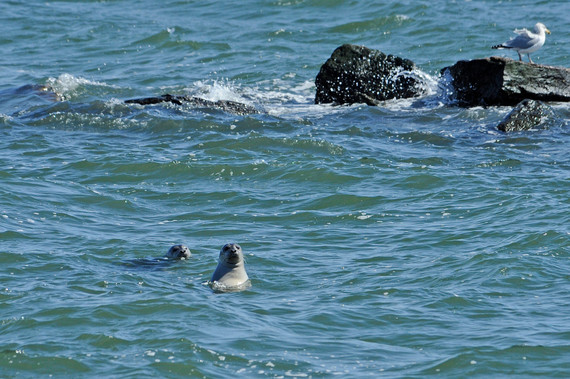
{"points": [[502, 81], [224, 105], [528, 114], [357, 74]]}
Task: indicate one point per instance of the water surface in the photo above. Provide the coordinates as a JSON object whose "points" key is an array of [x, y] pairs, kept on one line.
{"points": [[406, 240]]}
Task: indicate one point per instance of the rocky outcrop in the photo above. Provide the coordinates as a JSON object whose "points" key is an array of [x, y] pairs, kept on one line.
{"points": [[502, 81], [357, 74], [224, 105], [528, 114]]}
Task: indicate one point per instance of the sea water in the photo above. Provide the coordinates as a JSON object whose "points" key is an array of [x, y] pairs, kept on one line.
{"points": [[409, 239]]}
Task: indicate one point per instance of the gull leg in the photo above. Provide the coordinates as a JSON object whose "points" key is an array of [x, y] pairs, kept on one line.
{"points": [[530, 60], [520, 56]]}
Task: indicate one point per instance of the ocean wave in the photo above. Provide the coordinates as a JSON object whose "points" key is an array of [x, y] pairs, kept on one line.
{"points": [[68, 86]]}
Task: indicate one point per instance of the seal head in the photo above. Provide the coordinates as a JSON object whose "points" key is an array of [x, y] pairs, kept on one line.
{"points": [[230, 275], [178, 252]]}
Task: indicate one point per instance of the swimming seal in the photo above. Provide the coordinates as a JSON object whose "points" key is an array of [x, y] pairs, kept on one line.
{"points": [[175, 253], [230, 274], [178, 252]]}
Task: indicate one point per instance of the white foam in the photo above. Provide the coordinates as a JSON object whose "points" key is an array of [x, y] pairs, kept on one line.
{"points": [[281, 98], [67, 85], [289, 98], [220, 287], [217, 90], [275, 97]]}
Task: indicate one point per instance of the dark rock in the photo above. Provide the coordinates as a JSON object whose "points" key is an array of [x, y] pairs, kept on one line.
{"points": [[357, 74], [224, 105], [155, 100], [502, 81], [528, 114]]}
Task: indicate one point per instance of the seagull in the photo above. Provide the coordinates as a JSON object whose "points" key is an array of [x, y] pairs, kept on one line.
{"points": [[526, 42]]}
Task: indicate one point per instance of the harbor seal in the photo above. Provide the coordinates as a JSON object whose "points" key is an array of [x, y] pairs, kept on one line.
{"points": [[230, 274], [178, 252], [175, 253]]}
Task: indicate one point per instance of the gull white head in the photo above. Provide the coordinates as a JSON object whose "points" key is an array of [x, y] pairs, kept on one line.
{"points": [[526, 42], [541, 28]]}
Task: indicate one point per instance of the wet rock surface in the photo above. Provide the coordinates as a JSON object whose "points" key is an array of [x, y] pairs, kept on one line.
{"points": [[502, 81], [357, 74], [224, 105], [528, 114]]}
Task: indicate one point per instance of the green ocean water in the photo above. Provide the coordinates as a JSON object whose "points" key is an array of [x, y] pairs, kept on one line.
{"points": [[411, 239]]}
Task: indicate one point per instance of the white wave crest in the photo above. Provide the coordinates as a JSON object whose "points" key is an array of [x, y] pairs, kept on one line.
{"points": [[217, 90], [67, 86]]}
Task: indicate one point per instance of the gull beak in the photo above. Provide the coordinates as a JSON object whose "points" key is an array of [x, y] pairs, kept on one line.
{"points": [[547, 31]]}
